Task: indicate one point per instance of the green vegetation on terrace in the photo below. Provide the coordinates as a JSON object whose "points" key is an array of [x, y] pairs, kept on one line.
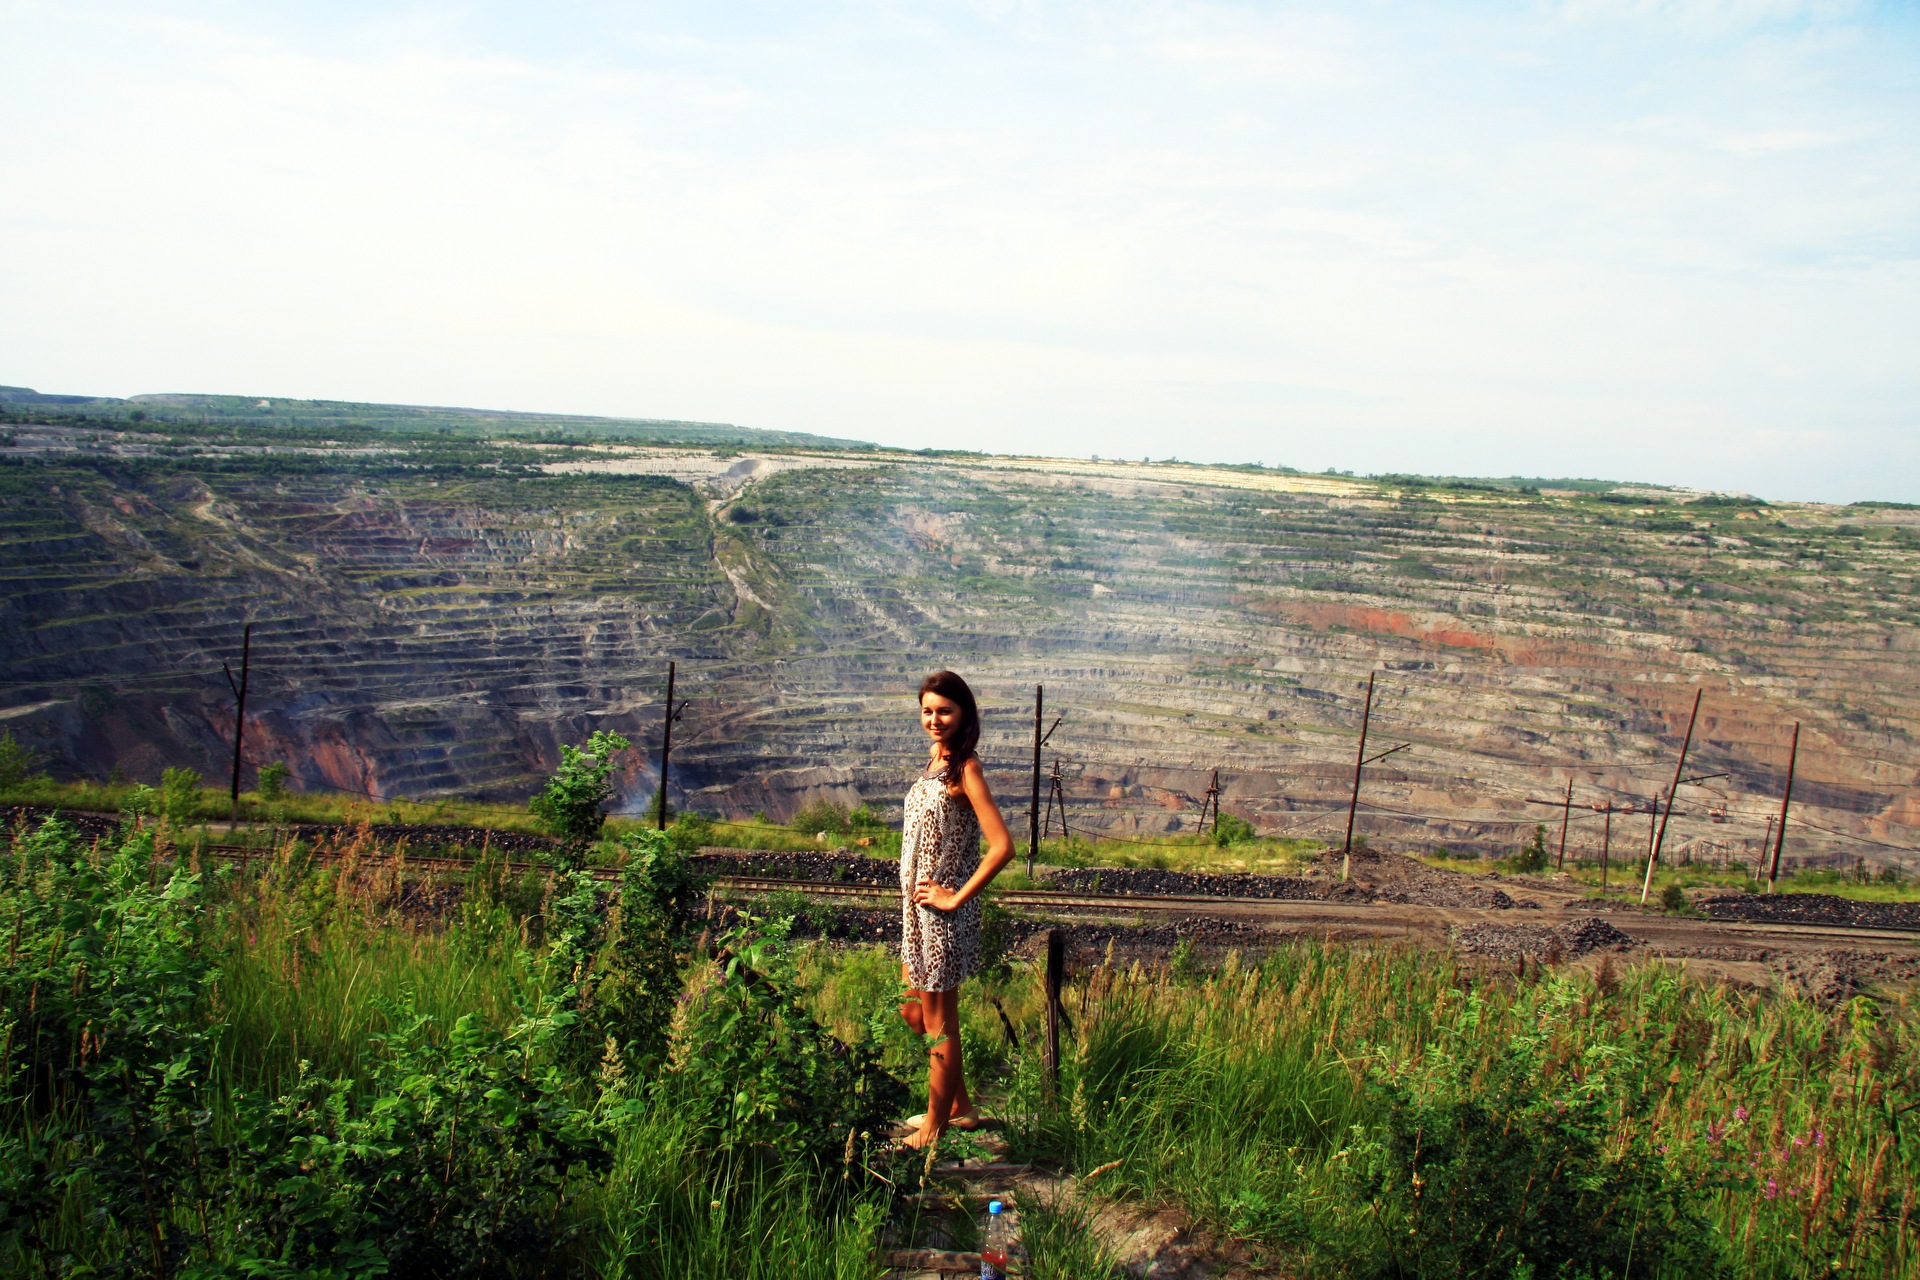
{"points": [[307, 1071]]}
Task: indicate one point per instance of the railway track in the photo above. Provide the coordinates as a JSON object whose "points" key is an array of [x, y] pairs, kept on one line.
{"points": [[1375, 919]]}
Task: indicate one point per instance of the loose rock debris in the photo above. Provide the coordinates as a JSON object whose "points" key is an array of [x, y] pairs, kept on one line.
{"points": [[1542, 942], [1137, 881], [1811, 908]]}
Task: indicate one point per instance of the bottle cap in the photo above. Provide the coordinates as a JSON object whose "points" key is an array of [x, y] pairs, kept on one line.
{"points": [[994, 1206]]}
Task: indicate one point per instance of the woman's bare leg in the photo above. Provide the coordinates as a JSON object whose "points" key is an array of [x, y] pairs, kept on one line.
{"points": [[946, 1078], [913, 1008]]}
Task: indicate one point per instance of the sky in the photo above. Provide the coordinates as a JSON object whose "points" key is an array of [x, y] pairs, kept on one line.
{"points": [[1626, 239]]}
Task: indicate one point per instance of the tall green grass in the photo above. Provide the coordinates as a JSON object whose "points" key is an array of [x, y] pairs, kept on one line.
{"points": [[1257, 1096], [1333, 1107]]}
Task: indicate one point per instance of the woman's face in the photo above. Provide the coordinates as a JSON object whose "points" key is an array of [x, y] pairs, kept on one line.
{"points": [[939, 716]]}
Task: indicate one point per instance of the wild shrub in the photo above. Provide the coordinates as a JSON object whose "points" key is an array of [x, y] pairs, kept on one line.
{"points": [[822, 815], [1533, 857], [179, 795], [271, 783], [689, 832], [749, 1064], [1505, 1166], [451, 1156], [105, 991], [1231, 829], [615, 967], [18, 762], [569, 803]]}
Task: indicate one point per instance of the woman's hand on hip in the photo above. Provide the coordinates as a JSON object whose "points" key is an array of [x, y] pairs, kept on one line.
{"points": [[936, 896]]}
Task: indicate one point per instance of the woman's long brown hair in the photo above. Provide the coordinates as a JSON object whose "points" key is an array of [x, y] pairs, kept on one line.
{"points": [[960, 748]]}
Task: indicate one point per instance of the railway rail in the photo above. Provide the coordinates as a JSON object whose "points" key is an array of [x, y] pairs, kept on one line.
{"points": [[1386, 919]]}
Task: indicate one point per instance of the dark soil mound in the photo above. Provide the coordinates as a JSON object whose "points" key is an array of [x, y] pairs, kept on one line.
{"points": [[1812, 908], [1137, 882]]}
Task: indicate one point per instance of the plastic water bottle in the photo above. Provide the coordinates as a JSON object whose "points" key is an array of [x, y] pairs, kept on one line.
{"points": [[996, 1242]]}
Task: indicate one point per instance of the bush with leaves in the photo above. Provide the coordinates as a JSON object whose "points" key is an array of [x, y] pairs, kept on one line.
{"points": [[451, 1158], [615, 967], [752, 1067], [179, 795], [1231, 829], [271, 783], [570, 802], [689, 832], [18, 762], [1523, 1168], [1532, 858], [822, 815], [105, 989]]}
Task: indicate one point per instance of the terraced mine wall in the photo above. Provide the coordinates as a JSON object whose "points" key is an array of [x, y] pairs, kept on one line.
{"points": [[436, 618]]}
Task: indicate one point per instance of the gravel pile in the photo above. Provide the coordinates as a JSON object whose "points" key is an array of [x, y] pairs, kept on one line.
{"points": [[1811, 908], [818, 868], [1138, 882], [1541, 942], [1394, 877], [1825, 977], [1445, 893]]}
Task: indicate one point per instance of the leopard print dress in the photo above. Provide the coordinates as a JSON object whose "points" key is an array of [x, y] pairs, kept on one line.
{"points": [[941, 840]]}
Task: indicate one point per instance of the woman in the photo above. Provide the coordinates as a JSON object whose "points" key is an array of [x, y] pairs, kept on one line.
{"points": [[941, 875]]}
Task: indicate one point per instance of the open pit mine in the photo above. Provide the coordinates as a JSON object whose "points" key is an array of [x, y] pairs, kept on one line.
{"points": [[438, 603]]}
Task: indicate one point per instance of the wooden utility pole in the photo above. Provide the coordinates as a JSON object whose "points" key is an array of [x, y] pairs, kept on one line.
{"points": [[1353, 805], [1673, 794], [1211, 802], [1566, 816], [1780, 832], [1606, 844], [1035, 829], [239, 708], [666, 749], [1056, 794], [1033, 809]]}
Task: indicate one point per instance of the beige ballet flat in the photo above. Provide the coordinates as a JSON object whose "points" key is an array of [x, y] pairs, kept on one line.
{"points": [[965, 1124]]}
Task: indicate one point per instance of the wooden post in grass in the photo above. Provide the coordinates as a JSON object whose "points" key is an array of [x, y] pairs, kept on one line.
{"points": [[1056, 974], [1780, 832]]}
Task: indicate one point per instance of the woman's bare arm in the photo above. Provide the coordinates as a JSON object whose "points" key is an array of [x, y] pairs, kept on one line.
{"points": [[973, 781]]}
